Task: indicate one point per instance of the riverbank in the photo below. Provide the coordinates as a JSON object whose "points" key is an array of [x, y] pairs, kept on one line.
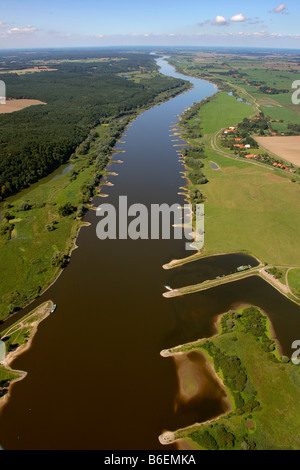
{"points": [[33, 231], [18, 339], [244, 353], [260, 271], [265, 192], [88, 280]]}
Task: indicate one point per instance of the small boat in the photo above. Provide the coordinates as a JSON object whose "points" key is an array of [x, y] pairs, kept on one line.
{"points": [[168, 287], [53, 308], [243, 268]]}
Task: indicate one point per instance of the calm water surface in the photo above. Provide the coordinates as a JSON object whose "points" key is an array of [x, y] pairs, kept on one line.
{"points": [[95, 376]]}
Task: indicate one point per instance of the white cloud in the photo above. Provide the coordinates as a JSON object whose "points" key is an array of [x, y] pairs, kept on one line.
{"points": [[220, 20], [237, 18], [203, 23], [27, 30], [281, 9]]}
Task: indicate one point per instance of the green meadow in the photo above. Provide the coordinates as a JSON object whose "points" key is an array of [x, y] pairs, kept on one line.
{"points": [[247, 207], [264, 412], [294, 281], [25, 256], [250, 209], [222, 111]]}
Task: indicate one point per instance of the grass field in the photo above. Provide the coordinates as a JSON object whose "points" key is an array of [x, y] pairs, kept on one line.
{"points": [[251, 209], [26, 252], [264, 414], [294, 281], [25, 258], [222, 111], [17, 338]]}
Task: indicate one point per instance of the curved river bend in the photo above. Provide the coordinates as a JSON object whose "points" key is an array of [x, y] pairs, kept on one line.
{"points": [[95, 376]]}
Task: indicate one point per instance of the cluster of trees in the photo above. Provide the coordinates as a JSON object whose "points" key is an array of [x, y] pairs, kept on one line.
{"points": [[193, 152], [275, 272], [234, 373], [193, 163], [273, 91], [294, 129], [99, 157], [16, 300], [263, 87], [66, 209], [4, 384], [38, 139], [192, 156], [219, 438], [255, 125], [235, 376], [193, 111], [256, 324], [59, 260], [6, 228], [196, 197], [229, 142], [197, 177], [77, 59]]}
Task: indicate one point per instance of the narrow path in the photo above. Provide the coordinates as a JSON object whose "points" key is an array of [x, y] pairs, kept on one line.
{"points": [[257, 271]]}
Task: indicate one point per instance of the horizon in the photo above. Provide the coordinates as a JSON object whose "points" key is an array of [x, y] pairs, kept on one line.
{"points": [[152, 47]]}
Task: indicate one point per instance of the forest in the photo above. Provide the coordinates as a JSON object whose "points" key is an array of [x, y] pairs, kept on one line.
{"points": [[81, 94]]}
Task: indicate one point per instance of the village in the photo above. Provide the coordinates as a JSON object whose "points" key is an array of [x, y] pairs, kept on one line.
{"points": [[241, 138]]}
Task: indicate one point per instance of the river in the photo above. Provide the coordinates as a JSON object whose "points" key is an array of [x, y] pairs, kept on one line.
{"points": [[96, 379]]}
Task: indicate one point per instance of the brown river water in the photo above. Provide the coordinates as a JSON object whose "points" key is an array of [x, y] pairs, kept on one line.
{"points": [[96, 379]]}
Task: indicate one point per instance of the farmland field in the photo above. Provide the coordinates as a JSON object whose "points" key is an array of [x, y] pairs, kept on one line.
{"points": [[285, 147], [16, 105]]}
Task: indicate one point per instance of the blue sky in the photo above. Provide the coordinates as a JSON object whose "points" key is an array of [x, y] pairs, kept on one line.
{"points": [[68, 23]]}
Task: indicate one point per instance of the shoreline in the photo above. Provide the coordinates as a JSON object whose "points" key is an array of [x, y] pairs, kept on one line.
{"points": [[132, 118], [192, 289], [43, 312], [176, 263], [169, 437]]}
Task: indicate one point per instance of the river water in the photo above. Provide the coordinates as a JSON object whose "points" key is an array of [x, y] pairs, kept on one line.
{"points": [[96, 379]]}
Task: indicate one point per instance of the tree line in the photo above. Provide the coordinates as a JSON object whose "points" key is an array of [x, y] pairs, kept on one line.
{"points": [[79, 96]]}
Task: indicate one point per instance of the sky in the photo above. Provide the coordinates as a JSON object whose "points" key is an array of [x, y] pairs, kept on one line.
{"points": [[88, 23]]}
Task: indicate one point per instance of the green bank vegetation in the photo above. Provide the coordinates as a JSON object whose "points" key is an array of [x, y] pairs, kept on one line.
{"points": [[78, 97], [38, 229], [294, 281], [16, 338], [247, 206], [264, 388]]}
